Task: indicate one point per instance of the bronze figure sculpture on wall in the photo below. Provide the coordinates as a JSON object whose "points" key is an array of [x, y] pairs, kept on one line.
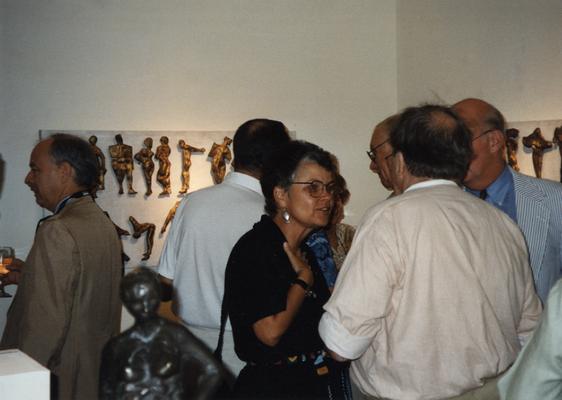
{"points": [[101, 162], [170, 216], [155, 358], [122, 163], [558, 140], [163, 156], [538, 144], [186, 150], [220, 154], [144, 158], [511, 147], [139, 229]]}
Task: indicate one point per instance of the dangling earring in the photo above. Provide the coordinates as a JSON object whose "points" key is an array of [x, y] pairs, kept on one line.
{"points": [[286, 216]]}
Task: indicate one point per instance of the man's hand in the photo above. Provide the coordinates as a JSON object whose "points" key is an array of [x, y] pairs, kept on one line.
{"points": [[13, 276]]}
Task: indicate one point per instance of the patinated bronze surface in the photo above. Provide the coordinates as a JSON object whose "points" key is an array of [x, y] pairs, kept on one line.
{"points": [[538, 144], [170, 216], [558, 140], [220, 154], [122, 163], [155, 359], [144, 158], [100, 157], [139, 229], [511, 147], [186, 150], [163, 156]]}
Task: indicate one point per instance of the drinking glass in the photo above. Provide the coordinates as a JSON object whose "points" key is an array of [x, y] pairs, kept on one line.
{"points": [[6, 258]]}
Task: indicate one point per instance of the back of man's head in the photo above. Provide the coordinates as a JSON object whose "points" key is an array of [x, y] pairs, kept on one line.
{"points": [[254, 142], [79, 154], [434, 142]]}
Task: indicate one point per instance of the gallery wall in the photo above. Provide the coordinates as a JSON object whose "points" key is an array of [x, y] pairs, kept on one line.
{"points": [[508, 52], [326, 68]]}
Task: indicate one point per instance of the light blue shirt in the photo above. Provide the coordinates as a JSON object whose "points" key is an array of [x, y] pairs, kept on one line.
{"points": [[501, 194]]}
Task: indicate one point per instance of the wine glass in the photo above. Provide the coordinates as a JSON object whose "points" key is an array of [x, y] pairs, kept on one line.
{"points": [[6, 258]]}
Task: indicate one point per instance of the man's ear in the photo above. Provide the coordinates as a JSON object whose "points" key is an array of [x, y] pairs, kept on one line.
{"points": [[280, 196], [496, 141], [66, 172]]}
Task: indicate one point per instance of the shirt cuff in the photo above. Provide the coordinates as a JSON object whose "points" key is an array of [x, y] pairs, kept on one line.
{"points": [[338, 339]]}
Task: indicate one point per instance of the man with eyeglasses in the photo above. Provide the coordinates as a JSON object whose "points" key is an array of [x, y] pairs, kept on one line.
{"points": [[534, 204], [436, 292], [380, 149]]}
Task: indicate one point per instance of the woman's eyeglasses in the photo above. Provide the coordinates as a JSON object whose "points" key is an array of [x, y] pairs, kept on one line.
{"points": [[316, 188]]}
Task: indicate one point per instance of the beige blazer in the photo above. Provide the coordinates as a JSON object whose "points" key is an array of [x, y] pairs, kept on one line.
{"points": [[67, 304]]}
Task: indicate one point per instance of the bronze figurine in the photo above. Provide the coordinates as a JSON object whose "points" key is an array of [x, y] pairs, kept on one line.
{"points": [[511, 147], [170, 216], [558, 140], [144, 158], [186, 163], [155, 358], [538, 144], [101, 162], [139, 229], [122, 163], [120, 232], [163, 156], [220, 154]]}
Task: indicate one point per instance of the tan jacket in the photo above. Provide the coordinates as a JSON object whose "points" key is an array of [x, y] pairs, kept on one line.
{"points": [[67, 304]]}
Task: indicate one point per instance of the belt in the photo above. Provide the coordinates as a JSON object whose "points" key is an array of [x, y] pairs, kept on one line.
{"points": [[318, 358]]}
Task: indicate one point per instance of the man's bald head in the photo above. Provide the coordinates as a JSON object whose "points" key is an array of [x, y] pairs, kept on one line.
{"points": [[487, 126], [380, 148]]}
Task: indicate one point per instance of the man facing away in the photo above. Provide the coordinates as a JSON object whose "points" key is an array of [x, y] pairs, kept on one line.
{"points": [[534, 204], [380, 149], [67, 304], [436, 294], [208, 223]]}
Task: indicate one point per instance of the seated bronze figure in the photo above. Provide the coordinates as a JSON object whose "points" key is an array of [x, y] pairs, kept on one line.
{"points": [[156, 358]]}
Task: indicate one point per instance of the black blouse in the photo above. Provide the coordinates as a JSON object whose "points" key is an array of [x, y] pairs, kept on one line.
{"points": [[257, 281]]}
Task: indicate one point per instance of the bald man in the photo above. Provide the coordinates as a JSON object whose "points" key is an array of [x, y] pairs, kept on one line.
{"points": [[534, 204], [380, 149]]}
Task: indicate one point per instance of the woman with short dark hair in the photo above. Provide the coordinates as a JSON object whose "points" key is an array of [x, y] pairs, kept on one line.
{"points": [[274, 290]]}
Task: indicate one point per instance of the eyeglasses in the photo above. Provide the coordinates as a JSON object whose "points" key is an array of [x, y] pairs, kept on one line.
{"points": [[483, 133], [372, 152], [316, 188]]}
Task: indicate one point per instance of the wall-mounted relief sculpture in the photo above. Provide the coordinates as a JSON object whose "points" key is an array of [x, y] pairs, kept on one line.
{"points": [[122, 163], [220, 154], [186, 151], [140, 228], [100, 157], [163, 156], [155, 358], [511, 147], [538, 144], [144, 158], [170, 216], [120, 232], [557, 139]]}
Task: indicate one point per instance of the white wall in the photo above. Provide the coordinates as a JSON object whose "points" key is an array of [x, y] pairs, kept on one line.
{"points": [[327, 68], [508, 52]]}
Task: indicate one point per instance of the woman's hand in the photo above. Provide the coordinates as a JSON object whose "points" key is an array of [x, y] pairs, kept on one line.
{"points": [[299, 264]]}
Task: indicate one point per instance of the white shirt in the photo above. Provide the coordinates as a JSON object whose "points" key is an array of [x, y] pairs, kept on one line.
{"points": [[207, 225], [433, 297]]}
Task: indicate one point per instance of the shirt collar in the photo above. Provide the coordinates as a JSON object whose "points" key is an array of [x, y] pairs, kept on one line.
{"points": [[247, 181], [498, 189], [430, 183]]}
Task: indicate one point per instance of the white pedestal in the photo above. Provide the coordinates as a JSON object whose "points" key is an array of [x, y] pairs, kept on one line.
{"points": [[23, 378]]}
